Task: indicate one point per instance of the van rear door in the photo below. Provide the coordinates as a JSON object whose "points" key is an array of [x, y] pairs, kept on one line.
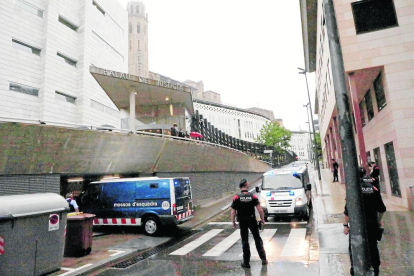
{"points": [[183, 198]]}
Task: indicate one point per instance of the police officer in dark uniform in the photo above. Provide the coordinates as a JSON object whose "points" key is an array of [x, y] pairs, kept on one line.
{"points": [[374, 209], [243, 205]]}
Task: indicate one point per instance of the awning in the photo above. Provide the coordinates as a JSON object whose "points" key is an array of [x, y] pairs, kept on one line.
{"points": [[150, 94]]}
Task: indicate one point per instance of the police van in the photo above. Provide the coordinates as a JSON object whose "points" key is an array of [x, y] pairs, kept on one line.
{"points": [[286, 192], [149, 202]]}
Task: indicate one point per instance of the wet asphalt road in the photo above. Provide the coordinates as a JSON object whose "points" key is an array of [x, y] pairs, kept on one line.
{"points": [[216, 250]]}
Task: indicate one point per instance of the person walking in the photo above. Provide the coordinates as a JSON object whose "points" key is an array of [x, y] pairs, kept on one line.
{"points": [[335, 167], [375, 174], [374, 209], [73, 205], [243, 207]]}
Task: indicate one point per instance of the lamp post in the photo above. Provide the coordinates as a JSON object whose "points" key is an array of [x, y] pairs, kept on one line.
{"points": [[303, 71], [310, 136]]}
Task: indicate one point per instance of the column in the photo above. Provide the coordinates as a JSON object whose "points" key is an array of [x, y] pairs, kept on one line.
{"points": [[132, 111]]}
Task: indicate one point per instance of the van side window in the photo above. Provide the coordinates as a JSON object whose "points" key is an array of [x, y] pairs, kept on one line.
{"points": [[153, 185]]}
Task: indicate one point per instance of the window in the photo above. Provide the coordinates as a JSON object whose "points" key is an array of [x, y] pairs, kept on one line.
{"points": [[25, 47], [103, 108], [368, 104], [137, 9], [29, 8], [130, 45], [108, 47], [67, 23], [374, 15], [67, 60], [379, 93], [98, 7], [138, 28], [392, 169], [130, 28], [132, 9], [23, 89], [361, 113], [64, 97]]}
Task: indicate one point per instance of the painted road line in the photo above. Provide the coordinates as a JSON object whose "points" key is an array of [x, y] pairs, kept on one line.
{"points": [[267, 223], [196, 243], [266, 235], [72, 270], [295, 244], [223, 245], [117, 252]]}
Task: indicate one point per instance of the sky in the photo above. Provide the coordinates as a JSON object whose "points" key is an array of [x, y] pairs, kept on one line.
{"points": [[247, 51]]}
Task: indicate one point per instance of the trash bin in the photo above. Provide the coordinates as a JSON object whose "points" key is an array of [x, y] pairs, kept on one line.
{"points": [[79, 235], [32, 229]]}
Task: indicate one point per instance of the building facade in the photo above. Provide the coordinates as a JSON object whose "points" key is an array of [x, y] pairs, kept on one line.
{"points": [[377, 40], [300, 144], [138, 39], [47, 48]]}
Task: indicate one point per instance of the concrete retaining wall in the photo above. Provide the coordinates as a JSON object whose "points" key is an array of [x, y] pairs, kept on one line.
{"points": [[43, 149]]}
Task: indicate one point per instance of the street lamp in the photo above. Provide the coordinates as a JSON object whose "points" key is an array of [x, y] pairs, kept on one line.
{"points": [[303, 71], [310, 136]]}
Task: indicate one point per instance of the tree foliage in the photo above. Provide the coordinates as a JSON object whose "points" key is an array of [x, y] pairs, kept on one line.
{"points": [[274, 136], [318, 145]]}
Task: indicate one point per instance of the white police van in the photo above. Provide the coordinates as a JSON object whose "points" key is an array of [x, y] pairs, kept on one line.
{"points": [[150, 202], [286, 192]]}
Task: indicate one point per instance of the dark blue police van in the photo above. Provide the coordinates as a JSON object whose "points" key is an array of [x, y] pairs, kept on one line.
{"points": [[149, 202]]}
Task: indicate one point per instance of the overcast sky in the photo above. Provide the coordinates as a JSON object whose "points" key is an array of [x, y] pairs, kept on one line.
{"points": [[248, 51]]}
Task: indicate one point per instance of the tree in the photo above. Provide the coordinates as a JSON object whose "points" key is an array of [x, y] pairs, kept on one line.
{"points": [[274, 136], [317, 146]]}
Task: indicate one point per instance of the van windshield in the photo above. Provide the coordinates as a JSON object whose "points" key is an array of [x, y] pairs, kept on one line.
{"points": [[281, 181]]}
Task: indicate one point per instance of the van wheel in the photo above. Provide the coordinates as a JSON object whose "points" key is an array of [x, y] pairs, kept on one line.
{"points": [[306, 215], [151, 226]]}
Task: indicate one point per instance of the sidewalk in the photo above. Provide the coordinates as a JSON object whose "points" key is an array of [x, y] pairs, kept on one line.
{"points": [[396, 247]]}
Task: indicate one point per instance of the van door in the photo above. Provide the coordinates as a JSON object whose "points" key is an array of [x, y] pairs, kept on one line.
{"points": [[117, 199], [153, 196], [183, 197]]}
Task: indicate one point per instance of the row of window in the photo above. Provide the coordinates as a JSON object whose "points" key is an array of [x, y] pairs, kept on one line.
{"points": [[36, 51], [367, 100], [138, 29], [29, 8], [17, 87]]}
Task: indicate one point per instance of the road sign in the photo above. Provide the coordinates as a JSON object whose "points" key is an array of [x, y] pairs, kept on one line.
{"points": [[268, 151], [53, 222]]}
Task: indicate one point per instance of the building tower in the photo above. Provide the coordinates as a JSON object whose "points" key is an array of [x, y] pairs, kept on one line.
{"points": [[138, 39]]}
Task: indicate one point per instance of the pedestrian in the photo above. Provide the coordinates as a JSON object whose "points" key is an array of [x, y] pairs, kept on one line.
{"points": [[335, 167], [243, 206], [73, 205], [374, 209], [174, 130], [375, 174]]}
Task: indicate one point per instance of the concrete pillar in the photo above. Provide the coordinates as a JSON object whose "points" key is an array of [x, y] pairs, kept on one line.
{"points": [[357, 116], [132, 111]]}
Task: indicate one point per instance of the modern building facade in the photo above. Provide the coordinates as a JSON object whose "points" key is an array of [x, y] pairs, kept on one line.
{"points": [[138, 39], [300, 145], [377, 40], [47, 48]]}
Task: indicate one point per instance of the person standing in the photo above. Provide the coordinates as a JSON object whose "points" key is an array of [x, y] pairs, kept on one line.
{"points": [[243, 207], [73, 205], [374, 209], [174, 130], [335, 167], [375, 174]]}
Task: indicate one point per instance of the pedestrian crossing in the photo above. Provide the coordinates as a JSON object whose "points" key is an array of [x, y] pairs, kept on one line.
{"points": [[293, 243]]}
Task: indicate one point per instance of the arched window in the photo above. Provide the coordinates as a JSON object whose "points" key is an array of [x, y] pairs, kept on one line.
{"points": [[138, 28], [132, 9], [130, 28], [137, 9]]}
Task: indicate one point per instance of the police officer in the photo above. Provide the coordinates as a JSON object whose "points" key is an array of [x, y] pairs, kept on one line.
{"points": [[244, 204], [374, 209], [73, 205], [375, 174]]}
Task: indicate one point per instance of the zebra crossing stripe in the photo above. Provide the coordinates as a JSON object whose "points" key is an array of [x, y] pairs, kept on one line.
{"points": [[223, 245], [196, 243], [266, 236], [295, 244]]}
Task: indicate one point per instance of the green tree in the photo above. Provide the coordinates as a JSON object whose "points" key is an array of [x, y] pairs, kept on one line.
{"points": [[318, 145], [275, 136]]}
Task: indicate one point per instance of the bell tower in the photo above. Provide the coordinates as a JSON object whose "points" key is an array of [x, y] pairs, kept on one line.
{"points": [[138, 39]]}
